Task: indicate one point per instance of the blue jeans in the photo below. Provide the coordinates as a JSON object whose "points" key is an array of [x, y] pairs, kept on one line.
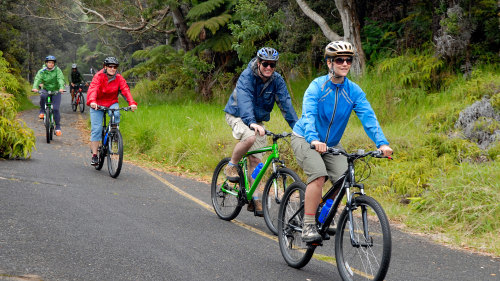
{"points": [[56, 103], [96, 117]]}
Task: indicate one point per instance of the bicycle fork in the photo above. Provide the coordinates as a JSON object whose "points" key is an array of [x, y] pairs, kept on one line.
{"points": [[368, 240]]}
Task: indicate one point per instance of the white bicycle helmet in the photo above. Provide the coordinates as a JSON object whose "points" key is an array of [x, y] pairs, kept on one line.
{"points": [[338, 48]]}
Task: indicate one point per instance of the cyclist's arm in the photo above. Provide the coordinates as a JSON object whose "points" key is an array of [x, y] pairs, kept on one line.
{"points": [[60, 79], [124, 88], [369, 120]]}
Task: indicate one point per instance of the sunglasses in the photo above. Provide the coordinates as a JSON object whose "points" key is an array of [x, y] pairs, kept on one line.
{"points": [[112, 66], [342, 60], [271, 64]]}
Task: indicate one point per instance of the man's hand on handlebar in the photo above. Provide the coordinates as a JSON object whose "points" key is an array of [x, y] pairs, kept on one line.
{"points": [[386, 150], [258, 129], [319, 146]]}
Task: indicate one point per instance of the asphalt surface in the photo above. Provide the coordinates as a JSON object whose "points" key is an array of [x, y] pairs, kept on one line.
{"points": [[60, 219]]}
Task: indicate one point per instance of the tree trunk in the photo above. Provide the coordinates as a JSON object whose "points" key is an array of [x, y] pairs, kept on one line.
{"points": [[351, 25], [352, 32], [180, 25]]}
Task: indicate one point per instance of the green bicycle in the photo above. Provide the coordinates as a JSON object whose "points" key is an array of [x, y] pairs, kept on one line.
{"points": [[228, 198], [48, 118]]}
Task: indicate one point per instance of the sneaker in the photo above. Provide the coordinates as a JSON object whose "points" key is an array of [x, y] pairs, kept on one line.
{"points": [[58, 133], [95, 160], [231, 173], [41, 115], [310, 234]]}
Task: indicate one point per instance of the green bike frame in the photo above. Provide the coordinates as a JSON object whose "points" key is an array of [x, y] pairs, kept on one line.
{"points": [[243, 163]]}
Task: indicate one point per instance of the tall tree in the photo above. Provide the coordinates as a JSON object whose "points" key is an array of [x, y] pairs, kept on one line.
{"points": [[351, 26]]}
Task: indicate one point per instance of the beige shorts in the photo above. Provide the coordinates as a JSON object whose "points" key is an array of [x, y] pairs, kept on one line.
{"points": [[316, 165], [241, 132]]}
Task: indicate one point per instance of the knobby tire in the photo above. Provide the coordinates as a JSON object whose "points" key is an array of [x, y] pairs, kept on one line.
{"points": [[115, 153]]}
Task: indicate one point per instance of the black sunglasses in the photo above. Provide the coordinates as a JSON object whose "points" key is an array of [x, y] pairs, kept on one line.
{"points": [[342, 60], [112, 66], [266, 64]]}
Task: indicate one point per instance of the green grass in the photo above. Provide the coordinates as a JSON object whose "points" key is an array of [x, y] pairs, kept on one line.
{"points": [[435, 185]]}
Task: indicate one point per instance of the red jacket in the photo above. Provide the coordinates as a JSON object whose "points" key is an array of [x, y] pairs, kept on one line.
{"points": [[105, 93]]}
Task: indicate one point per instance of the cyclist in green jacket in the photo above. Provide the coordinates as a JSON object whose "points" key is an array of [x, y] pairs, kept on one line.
{"points": [[50, 78]]}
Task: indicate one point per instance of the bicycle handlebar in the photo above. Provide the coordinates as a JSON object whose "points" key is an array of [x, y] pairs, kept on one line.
{"points": [[359, 154], [104, 108], [278, 136]]}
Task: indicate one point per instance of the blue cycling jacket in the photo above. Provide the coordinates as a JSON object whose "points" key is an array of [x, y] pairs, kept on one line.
{"points": [[253, 100], [326, 110]]}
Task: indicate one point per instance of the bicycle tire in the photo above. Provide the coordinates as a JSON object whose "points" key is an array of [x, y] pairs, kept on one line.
{"points": [[73, 102], [101, 153], [81, 103], [271, 198], [291, 214], [227, 205], [51, 124], [115, 153], [370, 260], [46, 121]]}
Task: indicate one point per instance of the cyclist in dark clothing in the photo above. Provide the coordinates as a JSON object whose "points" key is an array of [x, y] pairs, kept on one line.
{"points": [[75, 79]]}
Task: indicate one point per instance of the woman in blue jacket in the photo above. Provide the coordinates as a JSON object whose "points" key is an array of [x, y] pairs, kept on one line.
{"points": [[250, 104], [327, 106]]}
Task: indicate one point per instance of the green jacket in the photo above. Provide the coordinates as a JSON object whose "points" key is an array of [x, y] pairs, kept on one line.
{"points": [[52, 80]]}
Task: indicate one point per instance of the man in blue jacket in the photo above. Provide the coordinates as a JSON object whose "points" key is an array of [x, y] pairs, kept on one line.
{"points": [[250, 104], [327, 106]]}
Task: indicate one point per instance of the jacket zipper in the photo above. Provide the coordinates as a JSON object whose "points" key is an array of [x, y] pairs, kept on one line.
{"points": [[333, 115]]}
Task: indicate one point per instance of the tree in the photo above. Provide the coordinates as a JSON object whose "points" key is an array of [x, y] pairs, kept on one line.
{"points": [[350, 23]]}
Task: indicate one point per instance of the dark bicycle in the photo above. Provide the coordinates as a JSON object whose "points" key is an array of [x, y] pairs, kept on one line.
{"points": [[111, 146], [78, 100], [48, 118], [363, 236]]}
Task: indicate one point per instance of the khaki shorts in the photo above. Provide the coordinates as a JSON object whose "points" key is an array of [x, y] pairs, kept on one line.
{"points": [[241, 132], [316, 165]]}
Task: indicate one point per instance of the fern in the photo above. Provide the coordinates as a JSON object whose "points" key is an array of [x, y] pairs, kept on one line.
{"points": [[213, 24], [204, 8]]}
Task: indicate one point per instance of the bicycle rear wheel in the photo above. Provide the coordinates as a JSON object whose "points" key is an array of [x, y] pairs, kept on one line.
{"points": [[115, 153], [51, 124], [225, 194], [291, 214], [271, 198], [368, 259], [46, 121], [81, 103]]}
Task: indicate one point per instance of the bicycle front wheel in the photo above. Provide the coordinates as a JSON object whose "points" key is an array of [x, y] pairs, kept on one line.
{"points": [[46, 121], [73, 103], [273, 192], [81, 103], [115, 153], [368, 254], [291, 215], [225, 194], [101, 153]]}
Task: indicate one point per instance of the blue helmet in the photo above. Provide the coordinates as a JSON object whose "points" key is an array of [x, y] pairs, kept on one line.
{"points": [[268, 53], [52, 58]]}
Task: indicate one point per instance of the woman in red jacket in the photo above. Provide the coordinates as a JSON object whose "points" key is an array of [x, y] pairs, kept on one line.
{"points": [[103, 91]]}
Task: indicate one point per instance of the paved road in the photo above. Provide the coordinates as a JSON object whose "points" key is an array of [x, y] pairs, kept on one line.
{"points": [[60, 219]]}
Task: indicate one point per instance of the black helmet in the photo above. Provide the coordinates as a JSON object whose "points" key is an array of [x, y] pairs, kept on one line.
{"points": [[268, 53], [111, 60], [50, 58]]}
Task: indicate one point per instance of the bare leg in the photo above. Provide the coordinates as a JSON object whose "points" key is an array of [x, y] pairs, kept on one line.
{"points": [[94, 146], [313, 195], [241, 148]]}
